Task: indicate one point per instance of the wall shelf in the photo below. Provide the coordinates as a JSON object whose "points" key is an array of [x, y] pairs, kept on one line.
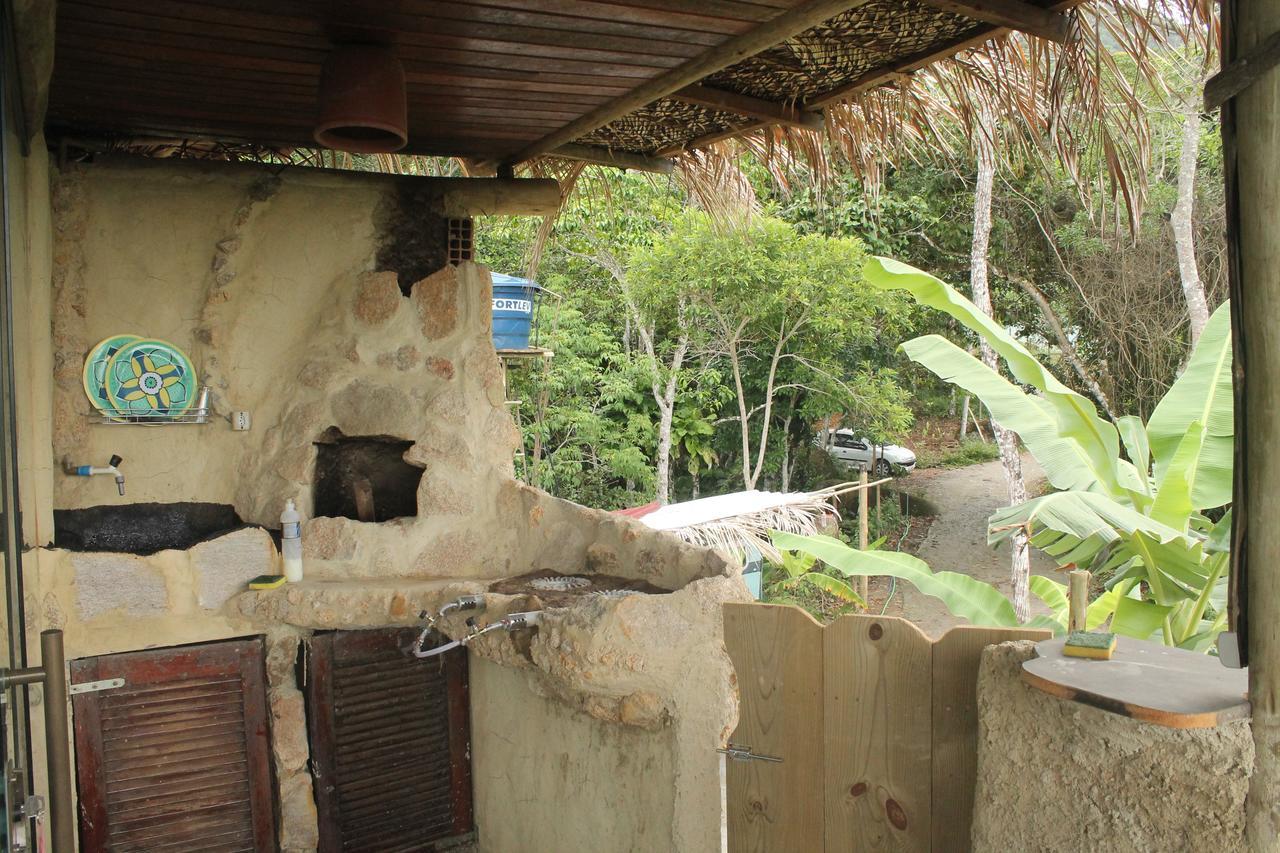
{"points": [[119, 417]]}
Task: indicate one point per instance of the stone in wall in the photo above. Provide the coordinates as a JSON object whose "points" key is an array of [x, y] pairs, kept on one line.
{"points": [[299, 825], [1058, 775], [436, 298], [378, 298], [289, 730], [107, 581], [223, 566]]}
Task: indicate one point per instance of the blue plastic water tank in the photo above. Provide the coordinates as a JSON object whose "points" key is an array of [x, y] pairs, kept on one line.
{"points": [[514, 300]]}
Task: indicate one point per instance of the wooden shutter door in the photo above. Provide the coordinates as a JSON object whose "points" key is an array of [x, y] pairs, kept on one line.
{"points": [[179, 758], [390, 742]]}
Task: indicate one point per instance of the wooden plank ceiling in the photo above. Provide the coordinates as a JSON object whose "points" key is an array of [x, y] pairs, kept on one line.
{"points": [[491, 79]]}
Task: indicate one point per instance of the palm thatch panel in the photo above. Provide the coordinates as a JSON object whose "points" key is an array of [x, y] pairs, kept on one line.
{"points": [[660, 124], [875, 36], [845, 49]]}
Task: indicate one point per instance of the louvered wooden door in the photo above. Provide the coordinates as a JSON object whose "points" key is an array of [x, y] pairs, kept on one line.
{"points": [[179, 758], [390, 743]]}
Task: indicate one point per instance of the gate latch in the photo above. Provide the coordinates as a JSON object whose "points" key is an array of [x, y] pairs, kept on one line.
{"points": [[744, 753], [95, 686]]}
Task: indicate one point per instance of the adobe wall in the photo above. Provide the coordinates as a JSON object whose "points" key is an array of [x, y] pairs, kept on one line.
{"points": [[278, 288], [1057, 775]]}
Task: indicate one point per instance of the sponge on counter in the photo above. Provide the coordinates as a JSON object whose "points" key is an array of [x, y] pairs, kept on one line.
{"points": [[266, 582], [1090, 644]]}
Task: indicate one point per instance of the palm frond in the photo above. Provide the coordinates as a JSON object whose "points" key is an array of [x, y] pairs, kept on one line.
{"points": [[744, 520]]}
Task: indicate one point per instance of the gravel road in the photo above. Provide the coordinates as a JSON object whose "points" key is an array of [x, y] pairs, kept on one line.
{"points": [[957, 541]]}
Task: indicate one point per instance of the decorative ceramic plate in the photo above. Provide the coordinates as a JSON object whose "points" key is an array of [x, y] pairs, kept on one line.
{"points": [[150, 378], [95, 369]]}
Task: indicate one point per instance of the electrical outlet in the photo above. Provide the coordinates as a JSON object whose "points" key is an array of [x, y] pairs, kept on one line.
{"points": [[240, 421]]}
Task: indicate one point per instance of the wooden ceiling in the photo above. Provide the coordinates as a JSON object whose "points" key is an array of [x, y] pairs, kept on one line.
{"points": [[493, 80]]}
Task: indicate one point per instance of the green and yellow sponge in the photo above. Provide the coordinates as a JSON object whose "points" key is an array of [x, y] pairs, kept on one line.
{"points": [[1090, 644]]}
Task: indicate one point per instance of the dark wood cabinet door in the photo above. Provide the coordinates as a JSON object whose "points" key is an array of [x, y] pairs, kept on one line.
{"points": [[390, 742], [179, 758]]}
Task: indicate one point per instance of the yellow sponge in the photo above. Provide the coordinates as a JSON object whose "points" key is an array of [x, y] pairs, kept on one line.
{"points": [[266, 582], [1090, 644]]}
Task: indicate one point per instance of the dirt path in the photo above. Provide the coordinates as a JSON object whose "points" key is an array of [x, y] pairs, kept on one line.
{"points": [[957, 541]]}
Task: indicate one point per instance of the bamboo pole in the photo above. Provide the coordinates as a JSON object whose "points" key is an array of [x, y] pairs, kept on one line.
{"points": [[1078, 600], [1250, 126], [863, 509]]}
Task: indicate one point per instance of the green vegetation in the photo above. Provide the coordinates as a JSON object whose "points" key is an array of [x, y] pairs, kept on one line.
{"points": [[1152, 524], [695, 356], [797, 581], [971, 451]]}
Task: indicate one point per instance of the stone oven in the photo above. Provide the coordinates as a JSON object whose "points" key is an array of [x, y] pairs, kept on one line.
{"points": [[314, 302]]}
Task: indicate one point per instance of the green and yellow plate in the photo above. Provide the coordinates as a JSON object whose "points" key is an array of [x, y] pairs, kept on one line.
{"points": [[150, 378], [95, 369]]}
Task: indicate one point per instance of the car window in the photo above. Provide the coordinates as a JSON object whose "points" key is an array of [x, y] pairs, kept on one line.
{"points": [[845, 441]]}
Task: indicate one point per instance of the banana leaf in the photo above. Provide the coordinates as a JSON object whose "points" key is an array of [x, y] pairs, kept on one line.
{"points": [[1076, 416], [1053, 594], [1137, 618], [1173, 504], [1065, 460], [834, 586], [1202, 393], [1085, 515], [980, 603]]}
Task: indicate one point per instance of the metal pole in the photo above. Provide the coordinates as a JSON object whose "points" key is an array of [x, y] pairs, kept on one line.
{"points": [[56, 742]]}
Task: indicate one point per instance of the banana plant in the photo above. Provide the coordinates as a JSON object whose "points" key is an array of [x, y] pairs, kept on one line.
{"points": [[1146, 522], [979, 602], [798, 568]]}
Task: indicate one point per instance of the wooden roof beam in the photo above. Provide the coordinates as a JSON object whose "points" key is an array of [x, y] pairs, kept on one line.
{"points": [[766, 35], [611, 157], [745, 105], [710, 138], [1012, 14]]}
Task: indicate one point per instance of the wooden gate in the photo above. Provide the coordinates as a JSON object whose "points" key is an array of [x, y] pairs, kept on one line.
{"points": [[875, 725]]}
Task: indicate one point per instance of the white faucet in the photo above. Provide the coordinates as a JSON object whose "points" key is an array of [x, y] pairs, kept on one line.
{"points": [[112, 468]]}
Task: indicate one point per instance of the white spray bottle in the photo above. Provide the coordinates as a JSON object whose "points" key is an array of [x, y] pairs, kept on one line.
{"points": [[291, 542]]}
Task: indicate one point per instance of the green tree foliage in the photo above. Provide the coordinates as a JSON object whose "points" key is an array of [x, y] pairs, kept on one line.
{"points": [[626, 260], [787, 320]]}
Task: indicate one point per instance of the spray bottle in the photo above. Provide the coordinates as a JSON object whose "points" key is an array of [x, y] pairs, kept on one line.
{"points": [[291, 542]]}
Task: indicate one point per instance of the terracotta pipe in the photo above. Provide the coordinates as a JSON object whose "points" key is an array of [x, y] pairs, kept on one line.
{"points": [[363, 107]]}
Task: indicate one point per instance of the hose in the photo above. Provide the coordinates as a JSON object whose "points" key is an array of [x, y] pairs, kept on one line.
{"points": [[893, 582], [420, 652]]}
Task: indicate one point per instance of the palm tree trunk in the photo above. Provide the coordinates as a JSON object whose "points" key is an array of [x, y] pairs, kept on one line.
{"points": [[1182, 221], [1020, 569]]}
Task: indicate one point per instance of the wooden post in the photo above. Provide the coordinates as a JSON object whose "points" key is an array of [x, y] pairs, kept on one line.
{"points": [[540, 415], [864, 507], [362, 491], [1250, 124], [1078, 600]]}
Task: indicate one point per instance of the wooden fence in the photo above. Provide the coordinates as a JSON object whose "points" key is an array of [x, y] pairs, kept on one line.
{"points": [[875, 725]]}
